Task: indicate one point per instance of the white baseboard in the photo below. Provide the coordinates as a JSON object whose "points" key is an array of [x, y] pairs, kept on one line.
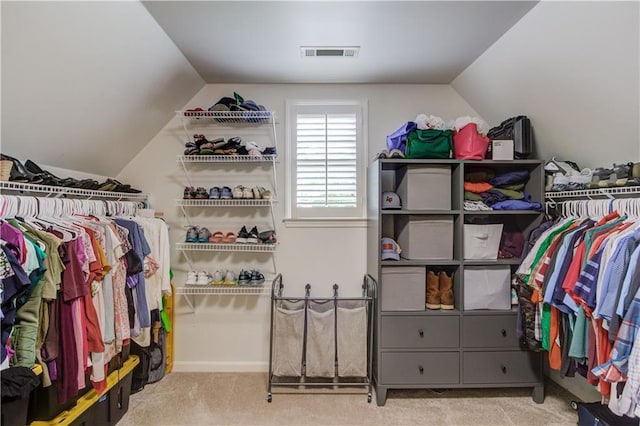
{"points": [[220, 367]]}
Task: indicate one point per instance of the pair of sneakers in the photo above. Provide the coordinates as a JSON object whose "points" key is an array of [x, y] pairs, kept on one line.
{"points": [[223, 193], [250, 237], [224, 278], [197, 235], [198, 193], [253, 277], [199, 278]]}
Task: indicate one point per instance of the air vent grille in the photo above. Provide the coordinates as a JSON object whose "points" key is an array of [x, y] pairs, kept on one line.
{"points": [[340, 51]]}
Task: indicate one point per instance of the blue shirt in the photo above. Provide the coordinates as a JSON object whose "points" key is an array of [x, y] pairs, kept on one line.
{"points": [[142, 249], [614, 276]]}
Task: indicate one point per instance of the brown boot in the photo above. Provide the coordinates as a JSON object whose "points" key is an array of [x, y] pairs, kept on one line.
{"points": [[433, 292], [446, 290]]}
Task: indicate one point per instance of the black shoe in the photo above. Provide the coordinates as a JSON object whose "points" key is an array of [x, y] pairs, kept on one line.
{"points": [[267, 237], [253, 236], [244, 278], [256, 278], [19, 172], [242, 235]]}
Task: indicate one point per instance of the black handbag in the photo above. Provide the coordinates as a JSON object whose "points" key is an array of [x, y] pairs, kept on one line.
{"points": [[518, 129]]}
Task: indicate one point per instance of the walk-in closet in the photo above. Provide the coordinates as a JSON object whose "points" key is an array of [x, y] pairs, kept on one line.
{"points": [[317, 212]]}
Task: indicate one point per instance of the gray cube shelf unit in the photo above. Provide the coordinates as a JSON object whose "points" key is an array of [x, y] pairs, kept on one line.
{"points": [[417, 347]]}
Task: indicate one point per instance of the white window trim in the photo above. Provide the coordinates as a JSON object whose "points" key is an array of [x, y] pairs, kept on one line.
{"points": [[363, 142]]}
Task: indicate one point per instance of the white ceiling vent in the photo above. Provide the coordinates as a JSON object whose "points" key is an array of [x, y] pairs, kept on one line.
{"points": [[339, 51]]}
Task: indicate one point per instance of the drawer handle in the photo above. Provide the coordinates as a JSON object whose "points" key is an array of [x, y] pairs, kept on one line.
{"points": [[503, 332], [421, 369], [504, 369], [421, 332]]}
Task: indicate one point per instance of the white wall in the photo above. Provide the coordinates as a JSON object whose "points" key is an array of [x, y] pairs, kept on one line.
{"points": [[232, 333], [572, 67], [85, 85]]}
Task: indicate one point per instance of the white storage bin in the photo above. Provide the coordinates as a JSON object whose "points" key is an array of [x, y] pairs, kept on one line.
{"points": [[425, 237], [403, 288], [487, 287], [482, 242], [425, 187]]}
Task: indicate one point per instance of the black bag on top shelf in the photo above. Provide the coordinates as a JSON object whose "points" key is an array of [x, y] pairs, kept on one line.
{"points": [[518, 129]]}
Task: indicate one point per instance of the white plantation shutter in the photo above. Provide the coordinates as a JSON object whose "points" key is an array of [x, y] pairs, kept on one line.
{"points": [[326, 144], [326, 166]]}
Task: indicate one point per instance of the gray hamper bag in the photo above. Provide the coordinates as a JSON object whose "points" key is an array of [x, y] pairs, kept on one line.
{"points": [[352, 338], [321, 347], [289, 324]]}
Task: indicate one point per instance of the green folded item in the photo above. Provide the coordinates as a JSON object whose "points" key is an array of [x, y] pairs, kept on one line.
{"points": [[472, 196], [512, 195], [514, 187]]}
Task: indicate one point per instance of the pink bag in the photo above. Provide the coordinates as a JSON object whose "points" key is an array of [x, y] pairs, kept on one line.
{"points": [[468, 144]]}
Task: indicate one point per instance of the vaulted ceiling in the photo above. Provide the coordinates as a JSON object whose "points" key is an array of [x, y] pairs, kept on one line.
{"points": [[86, 85]]}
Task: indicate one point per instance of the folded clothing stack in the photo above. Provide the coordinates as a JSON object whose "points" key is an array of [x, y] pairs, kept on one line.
{"points": [[504, 191]]}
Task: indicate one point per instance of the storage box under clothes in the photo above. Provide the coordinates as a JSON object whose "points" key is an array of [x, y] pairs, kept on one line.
{"points": [[481, 242], [425, 187], [487, 287], [425, 237], [403, 288]]}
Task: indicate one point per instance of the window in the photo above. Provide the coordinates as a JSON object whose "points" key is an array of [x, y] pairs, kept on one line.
{"points": [[326, 152]]}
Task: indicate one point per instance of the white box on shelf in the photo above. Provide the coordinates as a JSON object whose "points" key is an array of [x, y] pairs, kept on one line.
{"points": [[481, 242], [487, 287], [425, 237], [403, 288], [425, 187], [502, 149]]}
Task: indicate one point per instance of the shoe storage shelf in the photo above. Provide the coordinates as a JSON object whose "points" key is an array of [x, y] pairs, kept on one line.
{"points": [[470, 342], [600, 193], [227, 124], [17, 188]]}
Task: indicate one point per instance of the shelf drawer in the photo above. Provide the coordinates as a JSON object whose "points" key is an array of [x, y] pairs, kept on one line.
{"points": [[501, 367], [419, 332], [488, 331], [417, 368]]}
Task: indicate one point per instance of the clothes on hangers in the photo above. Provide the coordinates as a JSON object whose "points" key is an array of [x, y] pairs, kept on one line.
{"points": [[579, 287], [68, 299]]}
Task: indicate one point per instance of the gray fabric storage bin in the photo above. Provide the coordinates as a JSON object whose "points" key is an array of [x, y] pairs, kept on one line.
{"points": [[289, 329], [351, 324], [403, 288], [487, 287], [321, 343], [425, 237], [425, 187]]}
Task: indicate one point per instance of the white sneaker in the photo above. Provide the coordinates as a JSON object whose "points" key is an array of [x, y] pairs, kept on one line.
{"points": [[218, 278], [251, 145], [230, 278], [204, 278], [192, 278], [238, 191], [247, 192]]}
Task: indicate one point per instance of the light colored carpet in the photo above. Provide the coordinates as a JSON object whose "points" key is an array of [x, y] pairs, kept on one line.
{"points": [[240, 399]]}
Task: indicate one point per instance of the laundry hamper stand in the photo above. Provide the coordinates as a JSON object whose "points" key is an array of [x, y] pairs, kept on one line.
{"points": [[321, 341]]}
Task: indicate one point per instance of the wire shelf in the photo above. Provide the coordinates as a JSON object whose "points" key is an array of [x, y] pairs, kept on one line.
{"points": [[232, 117], [227, 158], [60, 191], [234, 202], [227, 247], [598, 192], [231, 290]]}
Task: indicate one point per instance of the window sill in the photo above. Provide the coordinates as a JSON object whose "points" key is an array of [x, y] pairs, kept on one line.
{"points": [[325, 223]]}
